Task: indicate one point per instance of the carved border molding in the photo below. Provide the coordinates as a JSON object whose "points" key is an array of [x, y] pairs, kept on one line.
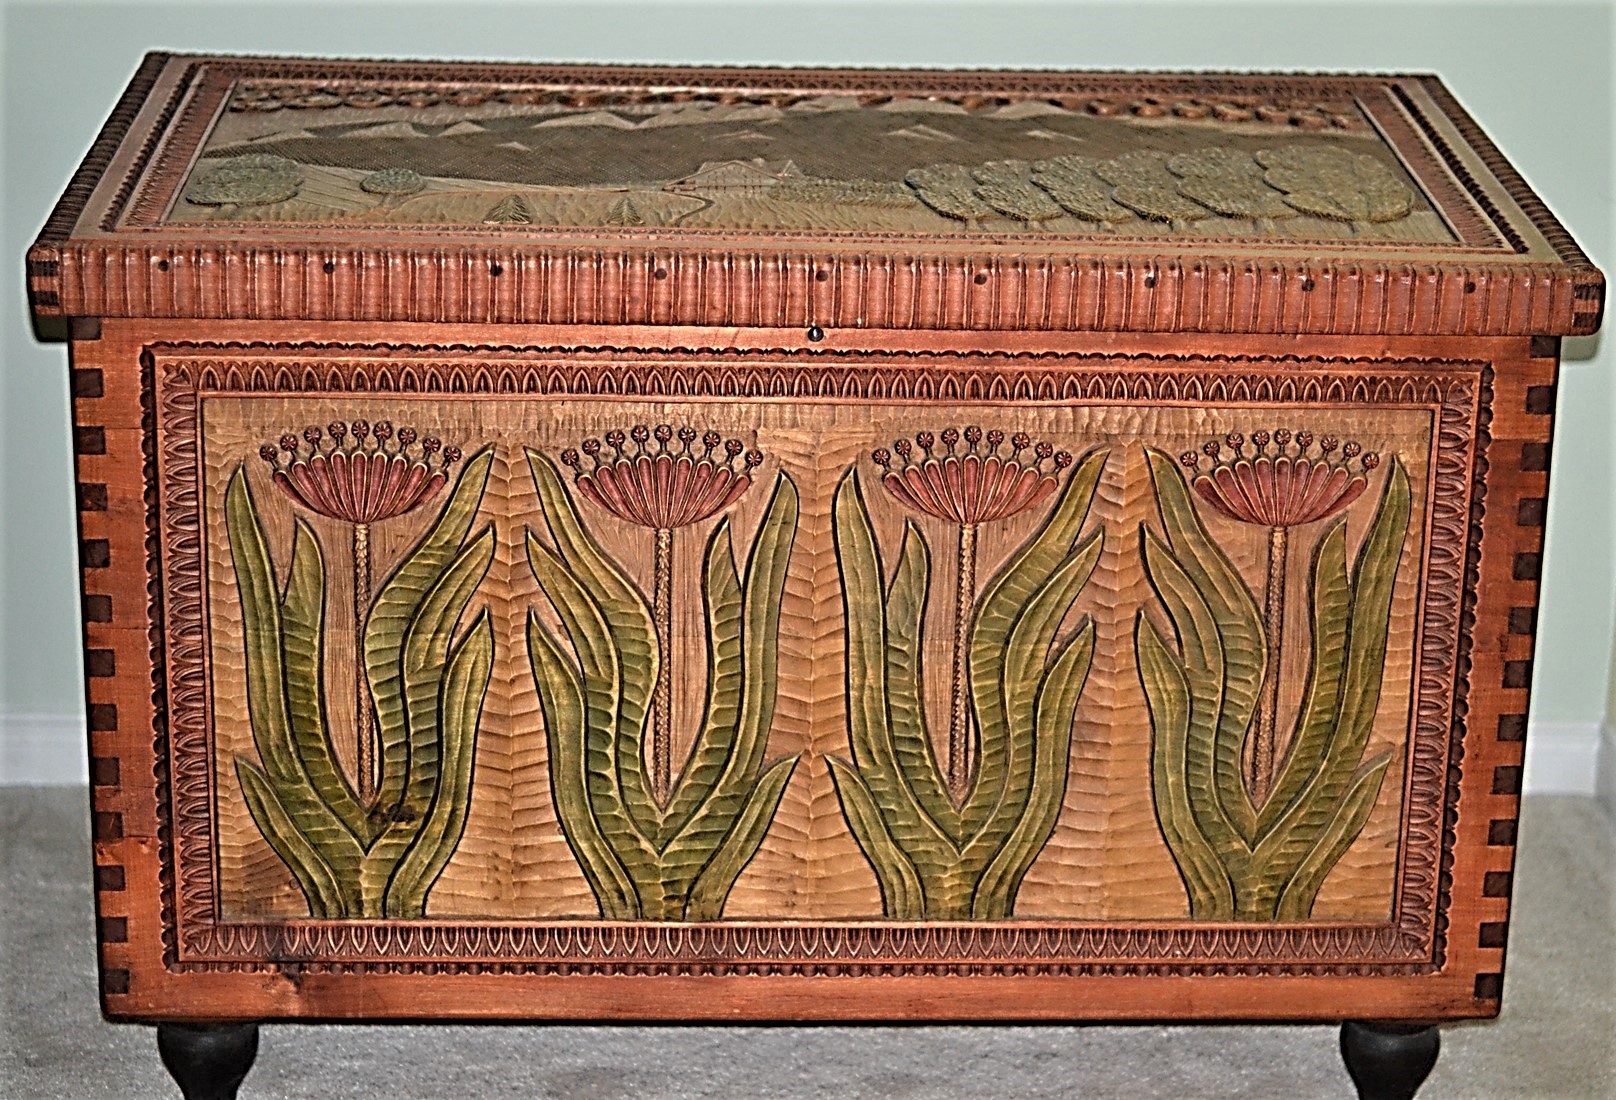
{"points": [[179, 375]]}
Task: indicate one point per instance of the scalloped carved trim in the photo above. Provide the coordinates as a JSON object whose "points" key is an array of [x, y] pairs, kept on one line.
{"points": [[818, 949]]}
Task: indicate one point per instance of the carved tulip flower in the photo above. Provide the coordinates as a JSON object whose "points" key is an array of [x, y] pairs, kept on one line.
{"points": [[662, 484], [967, 478], [1280, 489], [360, 473], [339, 477], [663, 479], [1279, 480]]}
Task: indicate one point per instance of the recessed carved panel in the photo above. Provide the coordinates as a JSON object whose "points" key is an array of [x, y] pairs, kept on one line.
{"points": [[712, 660], [1223, 163]]}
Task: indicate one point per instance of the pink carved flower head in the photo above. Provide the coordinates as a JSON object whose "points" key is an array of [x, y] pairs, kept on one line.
{"points": [[966, 477], [361, 472], [662, 478], [1280, 478]]}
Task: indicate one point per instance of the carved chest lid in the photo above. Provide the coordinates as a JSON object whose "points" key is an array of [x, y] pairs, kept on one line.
{"points": [[341, 190]]}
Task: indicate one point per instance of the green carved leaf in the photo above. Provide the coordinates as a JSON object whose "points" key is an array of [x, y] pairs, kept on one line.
{"points": [[1211, 895], [465, 684], [1372, 582], [713, 819], [1352, 812], [591, 639], [261, 633], [422, 660], [1211, 788], [1331, 613], [629, 626], [426, 651], [302, 632], [1239, 628], [1057, 707], [874, 754], [902, 897], [999, 608], [1025, 672], [911, 739], [713, 885], [320, 884], [725, 679], [561, 701], [392, 612]]}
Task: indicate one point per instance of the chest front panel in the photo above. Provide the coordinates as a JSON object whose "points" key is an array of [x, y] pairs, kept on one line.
{"points": [[540, 657]]}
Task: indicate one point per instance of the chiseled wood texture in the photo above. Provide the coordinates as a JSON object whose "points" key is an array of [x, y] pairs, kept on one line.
{"points": [[195, 342], [512, 861]]}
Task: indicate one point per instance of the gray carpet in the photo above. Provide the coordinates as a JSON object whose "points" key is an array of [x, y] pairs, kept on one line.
{"points": [[1554, 1040]]}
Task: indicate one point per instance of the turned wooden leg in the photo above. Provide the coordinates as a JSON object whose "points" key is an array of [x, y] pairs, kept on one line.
{"points": [[209, 1061], [1388, 1061]]}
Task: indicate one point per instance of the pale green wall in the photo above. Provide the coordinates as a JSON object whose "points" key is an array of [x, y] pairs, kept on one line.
{"points": [[1538, 75]]}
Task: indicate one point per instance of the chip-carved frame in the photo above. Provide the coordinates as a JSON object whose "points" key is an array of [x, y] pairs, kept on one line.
{"points": [[178, 373]]}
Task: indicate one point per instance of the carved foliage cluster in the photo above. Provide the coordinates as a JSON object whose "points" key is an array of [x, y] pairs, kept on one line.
{"points": [[1314, 179]]}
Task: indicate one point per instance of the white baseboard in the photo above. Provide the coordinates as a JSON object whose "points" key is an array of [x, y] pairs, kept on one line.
{"points": [[1605, 773], [1562, 757], [43, 750], [47, 750]]}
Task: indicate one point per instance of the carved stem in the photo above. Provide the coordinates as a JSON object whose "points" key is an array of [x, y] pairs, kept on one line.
{"points": [[662, 716], [364, 717], [959, 717], [1262, 757]]}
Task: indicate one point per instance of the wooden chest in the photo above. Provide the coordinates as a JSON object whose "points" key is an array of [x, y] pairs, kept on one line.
{"points": [[748, 544]]}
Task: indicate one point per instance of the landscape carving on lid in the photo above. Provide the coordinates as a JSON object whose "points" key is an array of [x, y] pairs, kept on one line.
{"points": [[520, 159]]}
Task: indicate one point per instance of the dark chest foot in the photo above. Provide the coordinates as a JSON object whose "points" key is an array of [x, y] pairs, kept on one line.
{"points": [[1388, 1061], [208, 1060]]}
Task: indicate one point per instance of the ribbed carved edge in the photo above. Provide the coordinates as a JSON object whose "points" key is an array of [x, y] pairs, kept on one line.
{"points": [[1456, 165], [952, 375], [510, 282], [1588, 281], [160, 136]]}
